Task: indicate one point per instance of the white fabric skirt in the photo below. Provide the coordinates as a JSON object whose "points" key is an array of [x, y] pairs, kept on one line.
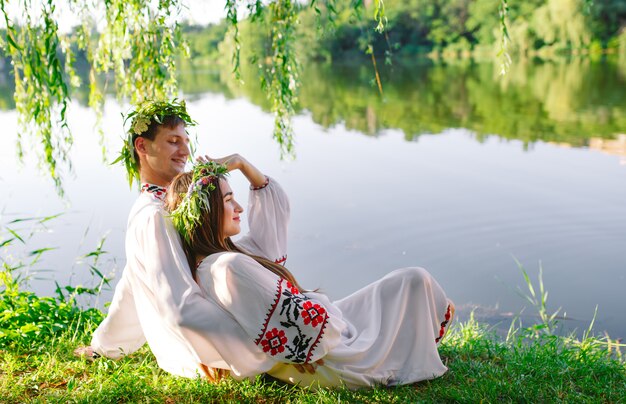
{"points": [[393, 329]]}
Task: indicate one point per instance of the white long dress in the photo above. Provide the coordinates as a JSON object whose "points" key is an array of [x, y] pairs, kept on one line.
{"points": [[385, 333]]}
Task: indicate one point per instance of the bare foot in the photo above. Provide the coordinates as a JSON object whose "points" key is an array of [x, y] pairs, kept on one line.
{"points": [[86, 352], [214, 375], [308, 367]]}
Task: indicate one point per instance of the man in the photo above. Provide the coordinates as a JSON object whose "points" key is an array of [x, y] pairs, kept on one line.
{"points": [[157, 300]]}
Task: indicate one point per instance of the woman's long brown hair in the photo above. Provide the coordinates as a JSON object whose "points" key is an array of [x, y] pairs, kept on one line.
{"points": [[208, 238]]}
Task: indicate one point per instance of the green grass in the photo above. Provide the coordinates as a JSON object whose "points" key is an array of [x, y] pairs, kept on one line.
{"points": [[531, 364], [528, 367]]}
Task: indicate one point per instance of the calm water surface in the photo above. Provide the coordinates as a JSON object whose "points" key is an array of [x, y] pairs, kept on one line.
{"points": [[451, 170]]}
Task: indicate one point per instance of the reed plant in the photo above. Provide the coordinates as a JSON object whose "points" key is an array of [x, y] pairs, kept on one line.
{"points": [[26, 319]]}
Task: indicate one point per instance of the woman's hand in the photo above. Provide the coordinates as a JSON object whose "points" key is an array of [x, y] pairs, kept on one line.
{"points": [[232, 162], [236, 162], [308, 367]]}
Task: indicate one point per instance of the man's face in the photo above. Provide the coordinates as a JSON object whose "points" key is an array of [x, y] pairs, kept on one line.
{"points": [[165, 156]]}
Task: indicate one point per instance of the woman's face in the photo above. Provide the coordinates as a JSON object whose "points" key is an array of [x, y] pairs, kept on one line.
{"points": [[232, 211]]}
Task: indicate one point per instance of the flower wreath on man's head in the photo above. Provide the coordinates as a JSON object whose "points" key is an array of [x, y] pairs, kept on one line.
{"points": [[205, 179], [140, 119]]}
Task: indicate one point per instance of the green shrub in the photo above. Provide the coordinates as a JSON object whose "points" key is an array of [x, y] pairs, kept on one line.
{"points": [[27, 319]]}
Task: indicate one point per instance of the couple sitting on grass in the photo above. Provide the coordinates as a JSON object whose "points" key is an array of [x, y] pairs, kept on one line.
{"points": [[214, 307]]}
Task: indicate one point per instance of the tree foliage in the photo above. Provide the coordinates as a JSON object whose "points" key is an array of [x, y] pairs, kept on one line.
{"points": [[133, 51], [453, 28]]}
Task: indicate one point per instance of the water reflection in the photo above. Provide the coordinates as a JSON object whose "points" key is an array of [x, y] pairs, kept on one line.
{"points": [[575, 102]]}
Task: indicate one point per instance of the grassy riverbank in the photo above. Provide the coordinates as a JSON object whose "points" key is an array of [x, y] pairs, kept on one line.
{"points": [[528, 366]]}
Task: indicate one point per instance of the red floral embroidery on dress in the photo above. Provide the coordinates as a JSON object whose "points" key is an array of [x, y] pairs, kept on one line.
{"points": [[274, 341], [317, 341], [442, 329], [292, 320], [281, 260], [292, 288], [313, 314], [270, 313]]}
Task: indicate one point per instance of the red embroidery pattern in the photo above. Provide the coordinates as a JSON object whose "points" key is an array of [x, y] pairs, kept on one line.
{"points": [[270, 313], [292, 288], [156, 191], [296, 325], [317, 341], [312, 313], [275, 341], [281, 260], [442, 330]]}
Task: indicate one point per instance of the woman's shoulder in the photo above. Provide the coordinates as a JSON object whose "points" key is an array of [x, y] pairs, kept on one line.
{"points": [[227, 259], [234, 268]]}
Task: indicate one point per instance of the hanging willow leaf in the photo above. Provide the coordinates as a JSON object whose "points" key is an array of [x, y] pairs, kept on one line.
{"points": [[379, 15], [41, 94], [133, 54], [282, 77], [505, 59], [231, 19]]}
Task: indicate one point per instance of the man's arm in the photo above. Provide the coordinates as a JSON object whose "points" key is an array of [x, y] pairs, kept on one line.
{"points": [[202, 326], [120, 332]]}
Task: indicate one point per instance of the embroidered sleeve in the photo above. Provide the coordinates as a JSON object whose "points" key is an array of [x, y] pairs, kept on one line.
{"points": [[268, 219], [286, 325], [294, 325]]}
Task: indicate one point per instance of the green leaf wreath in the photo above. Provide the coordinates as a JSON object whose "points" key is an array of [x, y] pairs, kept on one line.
{"points": [[140, 119], [187, 216]]}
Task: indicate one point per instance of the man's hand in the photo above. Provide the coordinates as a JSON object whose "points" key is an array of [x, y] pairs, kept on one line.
{"points": [[86, 352], [308, 367]]}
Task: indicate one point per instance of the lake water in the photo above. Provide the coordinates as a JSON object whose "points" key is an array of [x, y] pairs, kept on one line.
{"points": [[452, 169]]}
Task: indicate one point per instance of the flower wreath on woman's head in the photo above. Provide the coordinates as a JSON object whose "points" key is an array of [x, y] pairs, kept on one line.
{"points": [[140, 119], [205, 179]]}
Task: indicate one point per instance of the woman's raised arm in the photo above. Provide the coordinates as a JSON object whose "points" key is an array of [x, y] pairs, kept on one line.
{"points": [[236, 162], [268, 211]]}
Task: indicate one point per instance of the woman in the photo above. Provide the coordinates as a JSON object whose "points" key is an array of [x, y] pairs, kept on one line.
{"points": [[386, 333]]}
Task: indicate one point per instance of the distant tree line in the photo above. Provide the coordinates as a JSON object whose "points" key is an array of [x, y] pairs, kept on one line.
{"points": [[543, 28]]}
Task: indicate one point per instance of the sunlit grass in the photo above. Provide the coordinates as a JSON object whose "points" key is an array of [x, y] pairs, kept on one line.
{"points": [[531, 364], [527, 368]]}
